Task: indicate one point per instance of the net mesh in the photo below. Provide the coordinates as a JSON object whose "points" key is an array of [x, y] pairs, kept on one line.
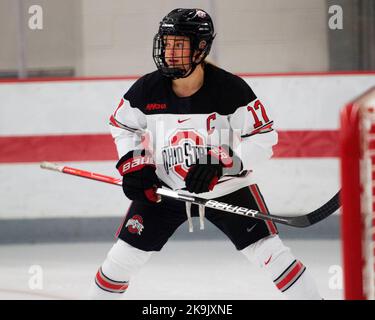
{"points": [[367, 176], [357, 152]]}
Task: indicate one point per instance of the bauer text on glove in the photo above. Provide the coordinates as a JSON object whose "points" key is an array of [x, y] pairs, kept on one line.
{"points": [[139, 181]]}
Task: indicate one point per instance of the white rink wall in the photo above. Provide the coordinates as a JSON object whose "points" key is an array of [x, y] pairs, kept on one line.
{"points": [[310, 102]]}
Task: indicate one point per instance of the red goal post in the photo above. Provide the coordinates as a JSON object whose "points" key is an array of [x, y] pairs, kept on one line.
{"points": [[357, 153]]}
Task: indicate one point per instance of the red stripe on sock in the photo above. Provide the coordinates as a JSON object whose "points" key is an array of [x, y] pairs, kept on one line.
{"points": [[109, 286], [290, 276]]}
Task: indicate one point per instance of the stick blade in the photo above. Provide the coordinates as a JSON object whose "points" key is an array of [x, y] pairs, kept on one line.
{"points": [[318, 215]]}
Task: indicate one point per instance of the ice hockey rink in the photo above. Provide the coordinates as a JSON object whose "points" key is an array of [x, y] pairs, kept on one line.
{"points": [[56, 255], [183, 270]]}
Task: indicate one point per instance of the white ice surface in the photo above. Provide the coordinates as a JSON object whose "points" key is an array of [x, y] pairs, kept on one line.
{"points": [[182, 270]]}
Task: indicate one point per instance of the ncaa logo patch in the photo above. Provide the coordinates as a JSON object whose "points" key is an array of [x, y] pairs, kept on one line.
{"points": [[135, 224]]}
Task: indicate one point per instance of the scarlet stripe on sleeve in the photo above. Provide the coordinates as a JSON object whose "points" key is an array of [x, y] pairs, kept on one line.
{"points": [[118, 124], [263, 129], [118, 107]]}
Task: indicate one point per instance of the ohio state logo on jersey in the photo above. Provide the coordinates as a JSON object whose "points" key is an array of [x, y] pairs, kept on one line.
{"points": [[135, 224], [185, 146]]}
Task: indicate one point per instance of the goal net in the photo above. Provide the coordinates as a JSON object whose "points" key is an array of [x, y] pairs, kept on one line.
{"points": [[357, 153]]}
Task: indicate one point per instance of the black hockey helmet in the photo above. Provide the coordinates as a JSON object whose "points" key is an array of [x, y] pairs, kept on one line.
{"points": [[196, 24]]}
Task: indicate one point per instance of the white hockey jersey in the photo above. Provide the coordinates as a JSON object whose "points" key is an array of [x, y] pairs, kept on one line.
{"points": [[224, 111]]}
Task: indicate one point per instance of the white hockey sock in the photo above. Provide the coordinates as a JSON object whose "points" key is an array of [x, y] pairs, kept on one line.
{"points": [[288, 274], [112, 278]]}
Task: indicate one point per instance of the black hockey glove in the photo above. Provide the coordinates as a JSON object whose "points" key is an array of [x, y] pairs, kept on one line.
{"points": [[209, 168], [139, 180]]}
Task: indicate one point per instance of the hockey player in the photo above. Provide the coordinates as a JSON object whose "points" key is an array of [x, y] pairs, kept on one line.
{"points": [[193, 127]]}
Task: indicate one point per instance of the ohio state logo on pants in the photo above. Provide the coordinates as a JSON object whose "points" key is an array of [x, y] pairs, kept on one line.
{"points": [[135, 224], [184, 149]]}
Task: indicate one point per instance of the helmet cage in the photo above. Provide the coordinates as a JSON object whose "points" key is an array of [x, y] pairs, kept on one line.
{"points": [[197, 52], [174, 71]]}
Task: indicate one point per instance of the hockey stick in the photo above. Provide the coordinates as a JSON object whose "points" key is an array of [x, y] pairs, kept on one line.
{"points": [[300, 221]]}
